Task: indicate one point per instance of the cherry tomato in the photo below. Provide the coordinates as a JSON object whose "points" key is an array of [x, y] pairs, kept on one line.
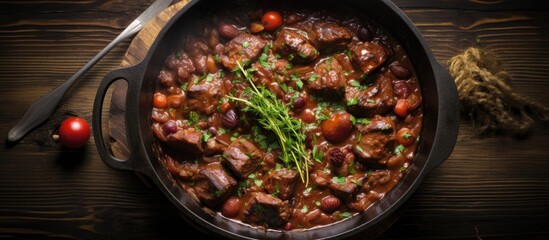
{"points": [[160, 101], [231, 207], [74, 132], [271, 20], [401, 107], [404, 136]]}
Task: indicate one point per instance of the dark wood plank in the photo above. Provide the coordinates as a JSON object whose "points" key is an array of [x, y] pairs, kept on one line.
{"points": [[492, 187]]}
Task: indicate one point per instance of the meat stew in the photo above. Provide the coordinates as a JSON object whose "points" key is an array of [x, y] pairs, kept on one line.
{"points": [[336, 91]]}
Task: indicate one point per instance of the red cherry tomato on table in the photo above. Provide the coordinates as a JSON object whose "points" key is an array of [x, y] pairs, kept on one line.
{"points": [[74, 132], [271, 20]]}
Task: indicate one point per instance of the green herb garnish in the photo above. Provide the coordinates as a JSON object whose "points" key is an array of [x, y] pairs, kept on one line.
{"points": [[344, 215], [273, 115], [399, 149], [352, 101], [354, 83], [339, 180], [313, 78]]}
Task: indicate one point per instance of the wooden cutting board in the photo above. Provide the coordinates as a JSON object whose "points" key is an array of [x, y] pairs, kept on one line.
{"points": [[136, 53]]}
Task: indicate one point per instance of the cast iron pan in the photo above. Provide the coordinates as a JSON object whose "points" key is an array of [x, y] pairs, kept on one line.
{"points": [[440, 126]]}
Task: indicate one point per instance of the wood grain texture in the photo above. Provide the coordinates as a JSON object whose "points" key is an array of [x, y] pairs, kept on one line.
{"points": [[491, 187]]}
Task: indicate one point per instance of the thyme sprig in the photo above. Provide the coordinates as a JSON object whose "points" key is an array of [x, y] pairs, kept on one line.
{"points": [[273, 114]]}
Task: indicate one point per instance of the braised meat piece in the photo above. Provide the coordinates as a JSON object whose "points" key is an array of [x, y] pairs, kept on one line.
{"points": [[182, 64], [295, 45], [377, 140], [373, 189], [188, 170], [242, 157], [197, 51], [377, 99], [189, 140], [243, 48], [377, 178], [281, 183], [215, 185], [320, 178], [167, 78], [265, 209], [330, 35], [328, 78], [374, 146], [214, 146], [203, 94], [377, 124], [369, 55], [346, 188]]}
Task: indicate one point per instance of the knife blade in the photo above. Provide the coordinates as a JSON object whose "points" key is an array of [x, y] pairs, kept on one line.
{"points": [[42, 109]]}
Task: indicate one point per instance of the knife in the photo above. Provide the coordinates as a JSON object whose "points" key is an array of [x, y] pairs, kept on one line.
{"points": [[42, 109]]}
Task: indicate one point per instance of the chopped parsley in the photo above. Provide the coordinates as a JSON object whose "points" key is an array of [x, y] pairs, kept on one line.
{"points": [[317, 155], [339, 180], [352, 101], [399, 149], [344, 215], [363, 121], [206, 136], [246, 44], [354, 83]]}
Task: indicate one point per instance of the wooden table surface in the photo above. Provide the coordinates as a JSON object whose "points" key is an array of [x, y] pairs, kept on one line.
{"points": [[491, 187]]}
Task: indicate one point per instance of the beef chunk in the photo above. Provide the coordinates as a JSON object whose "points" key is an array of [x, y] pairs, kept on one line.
{"points": [[364, 200], [214, 185], [346, 188], [320, 178], [294, 44], [189, 140], [376, 178], [377, 124], [182, 64], [269, 69], [374, 146], [215, 146], [195, 47], [281, 183], [167, 78], [204, 93], [242, 157], [369, 195], [377, 99], [197, 51], [369, 55], [330, 35], [330, 79], [243, 48], [265, 209], [188, 170]]}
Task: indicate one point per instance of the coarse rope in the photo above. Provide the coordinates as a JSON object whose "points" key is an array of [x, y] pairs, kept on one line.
{"points": [[487, 100]]}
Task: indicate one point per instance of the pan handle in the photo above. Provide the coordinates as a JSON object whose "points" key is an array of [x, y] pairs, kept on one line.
{"points": [[448, 118], [129, 75]]}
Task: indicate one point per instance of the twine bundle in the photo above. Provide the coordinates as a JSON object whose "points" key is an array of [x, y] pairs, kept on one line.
{"points": [[488, 101]]}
